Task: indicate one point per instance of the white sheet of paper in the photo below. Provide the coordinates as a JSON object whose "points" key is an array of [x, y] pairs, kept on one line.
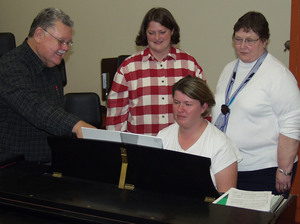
{"points": [[101, 134], [144, 140], [257, 200], [125, 137]]}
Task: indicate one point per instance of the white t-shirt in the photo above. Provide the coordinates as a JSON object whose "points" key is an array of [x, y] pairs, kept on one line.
{"points": [[212, 144]]}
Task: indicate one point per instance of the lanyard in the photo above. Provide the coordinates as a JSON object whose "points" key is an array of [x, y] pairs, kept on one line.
{"points": [[228, 101], [223, 117]]}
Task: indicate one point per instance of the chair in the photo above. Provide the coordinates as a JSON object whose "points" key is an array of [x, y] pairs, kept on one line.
{"points": [[109, 67], [108, 70], [120, 59], [7, 42], [85, 105]]}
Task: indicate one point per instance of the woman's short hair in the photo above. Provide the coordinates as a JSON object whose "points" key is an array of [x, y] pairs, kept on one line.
{"points": [[47, 19], [162, 16], [254, 21], [197, 89]]}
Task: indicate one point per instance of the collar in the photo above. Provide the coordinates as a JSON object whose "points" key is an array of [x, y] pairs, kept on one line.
{"points": [[147, 55], [32, 57]]}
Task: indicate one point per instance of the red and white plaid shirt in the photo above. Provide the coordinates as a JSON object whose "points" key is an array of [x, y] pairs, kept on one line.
{"points": [[140, 100]]}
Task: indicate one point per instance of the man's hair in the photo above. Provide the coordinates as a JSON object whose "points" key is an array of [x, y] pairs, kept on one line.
{"points": [[197, 89], [162, 16], [47, 19]]}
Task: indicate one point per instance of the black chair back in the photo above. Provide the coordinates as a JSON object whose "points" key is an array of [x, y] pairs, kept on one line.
{"points": [[7, 42], [86, 106], [120, 59]]}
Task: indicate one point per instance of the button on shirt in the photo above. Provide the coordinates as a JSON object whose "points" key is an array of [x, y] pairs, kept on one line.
{"points": [[140, 100]]}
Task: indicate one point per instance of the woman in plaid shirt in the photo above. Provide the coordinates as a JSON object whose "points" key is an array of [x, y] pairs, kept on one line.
{"points": [[140, 100]]}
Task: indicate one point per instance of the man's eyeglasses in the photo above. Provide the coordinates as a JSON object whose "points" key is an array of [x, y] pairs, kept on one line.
{"points": [[248, 41], [60, 42]]}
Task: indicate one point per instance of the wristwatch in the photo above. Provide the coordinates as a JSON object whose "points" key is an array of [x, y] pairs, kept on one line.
{"points": [[285, 173]]}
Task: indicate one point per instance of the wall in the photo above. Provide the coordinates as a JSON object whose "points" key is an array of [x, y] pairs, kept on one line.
{"points": [[107, 28]]}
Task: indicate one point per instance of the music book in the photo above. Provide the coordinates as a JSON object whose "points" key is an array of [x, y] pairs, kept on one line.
{"points": [[122, 137], [256, 200]]}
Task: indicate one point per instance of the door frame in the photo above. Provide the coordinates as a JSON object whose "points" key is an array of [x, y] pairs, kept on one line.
{"points": [[294, 66]]}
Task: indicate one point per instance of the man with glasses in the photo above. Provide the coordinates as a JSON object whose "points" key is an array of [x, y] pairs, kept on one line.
{"points": [[31, 90]]}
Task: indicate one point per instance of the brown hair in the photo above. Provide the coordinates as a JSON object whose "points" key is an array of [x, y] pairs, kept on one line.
{"points": [[162, 16], [254, 21], [196, 89]]}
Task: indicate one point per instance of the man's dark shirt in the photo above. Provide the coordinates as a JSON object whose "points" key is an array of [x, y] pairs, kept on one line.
{"points": [[31, 105]]}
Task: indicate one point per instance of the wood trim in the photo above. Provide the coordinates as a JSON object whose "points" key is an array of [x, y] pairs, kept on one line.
{"points": [[295, 69], [294, 43]]}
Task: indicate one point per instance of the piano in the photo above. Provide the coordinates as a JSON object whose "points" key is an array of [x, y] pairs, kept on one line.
{"points": [[92, 181]]}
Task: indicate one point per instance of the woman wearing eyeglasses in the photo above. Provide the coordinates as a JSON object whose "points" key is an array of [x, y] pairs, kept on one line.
{"points": [[258, 107]]}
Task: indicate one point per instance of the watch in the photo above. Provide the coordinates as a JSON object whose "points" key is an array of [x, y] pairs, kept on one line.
{"points": [[285, 173]]}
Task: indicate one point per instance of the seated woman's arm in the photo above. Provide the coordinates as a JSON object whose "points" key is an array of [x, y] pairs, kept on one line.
{"points": [[227, 178]]}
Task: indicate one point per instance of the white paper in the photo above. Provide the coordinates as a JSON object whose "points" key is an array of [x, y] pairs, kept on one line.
{"points": [[125, 137], [104, 80], [101, 134], [144, 140], [257, 200]]}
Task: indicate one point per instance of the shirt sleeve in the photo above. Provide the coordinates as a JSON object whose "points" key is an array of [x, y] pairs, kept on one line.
{"points": [[198, 70], [285, 101], [117, 105]]}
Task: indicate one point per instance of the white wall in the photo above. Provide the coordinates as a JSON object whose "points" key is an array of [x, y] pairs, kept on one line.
{"points": [[107, 28]]}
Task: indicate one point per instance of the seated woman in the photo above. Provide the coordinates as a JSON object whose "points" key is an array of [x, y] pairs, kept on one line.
{"points": [[193, 134]]}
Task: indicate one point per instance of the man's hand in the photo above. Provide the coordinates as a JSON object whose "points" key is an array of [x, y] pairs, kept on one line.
{"points": [[77, 128]]}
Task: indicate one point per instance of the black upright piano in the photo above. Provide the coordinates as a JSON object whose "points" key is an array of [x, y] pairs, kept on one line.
{"points": [[91, 181]]}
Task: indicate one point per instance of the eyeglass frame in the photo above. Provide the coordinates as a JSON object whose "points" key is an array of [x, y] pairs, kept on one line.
{"points": [[60, 42], [248, 41]]}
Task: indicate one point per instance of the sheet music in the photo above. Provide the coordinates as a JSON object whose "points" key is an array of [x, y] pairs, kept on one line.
{"points": [[124, 137], [144, 140], [257, 200], [100, 134]]}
